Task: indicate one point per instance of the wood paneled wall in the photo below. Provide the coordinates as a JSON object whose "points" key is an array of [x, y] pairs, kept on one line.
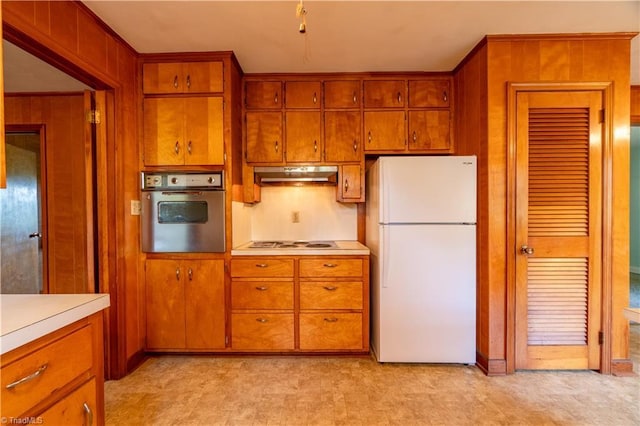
{"points": [[62, 120], [635, 105], [481, 80], [69, 35]]}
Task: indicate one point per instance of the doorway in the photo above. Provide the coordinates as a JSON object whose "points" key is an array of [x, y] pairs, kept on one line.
{"points": [[22, 241]]}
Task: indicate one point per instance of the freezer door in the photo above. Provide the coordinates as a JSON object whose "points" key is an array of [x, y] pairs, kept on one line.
{"points": [[428, 189], [424, 294]]}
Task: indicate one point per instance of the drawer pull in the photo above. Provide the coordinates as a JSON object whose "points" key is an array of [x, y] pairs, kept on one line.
{"points": [[331, 319], [89, 413], [330, 288], [262, 320], [262, 288], [28, 378], [330, 265], [261, 265]]}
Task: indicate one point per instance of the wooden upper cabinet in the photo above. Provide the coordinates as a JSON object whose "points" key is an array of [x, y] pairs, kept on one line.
{"points": [[351, 186], [342, 94], [384, 93], [429, 130], [183, 131], [385, 130], [263, 132], [429, 94], [263, 95], [303, 94], [182, 77], [342, 136], [303, 144]]}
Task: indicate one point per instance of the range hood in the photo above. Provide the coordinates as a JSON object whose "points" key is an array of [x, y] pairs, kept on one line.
{"points": [[326, 174]]}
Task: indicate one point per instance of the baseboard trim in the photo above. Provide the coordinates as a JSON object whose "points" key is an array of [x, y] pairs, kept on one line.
{"points": [[622, 367], [491, 367], [634, 269]]}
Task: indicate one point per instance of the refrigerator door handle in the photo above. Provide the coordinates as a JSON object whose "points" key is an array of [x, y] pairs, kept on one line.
{"points": [[384, 254]]}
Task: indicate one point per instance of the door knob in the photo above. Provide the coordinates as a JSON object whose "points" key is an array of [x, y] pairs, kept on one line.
{"points": [[525, 249], [35, 235]]}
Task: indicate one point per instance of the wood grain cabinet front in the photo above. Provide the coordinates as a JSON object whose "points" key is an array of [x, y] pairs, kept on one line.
{"points": [[56, 379], [351, 185], [303, 94], [182, 77], [185, 304], [183, 131]]}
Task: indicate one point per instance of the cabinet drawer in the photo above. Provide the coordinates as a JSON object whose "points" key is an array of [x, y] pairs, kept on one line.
{"points": [[77, 408], [261, 267], [330, 295], [330, 267], [261, 295], [50, 368], [330, 331], [262, 331]]}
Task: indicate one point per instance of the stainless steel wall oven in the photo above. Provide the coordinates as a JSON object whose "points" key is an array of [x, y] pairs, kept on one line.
{"points": [[183, 212]]}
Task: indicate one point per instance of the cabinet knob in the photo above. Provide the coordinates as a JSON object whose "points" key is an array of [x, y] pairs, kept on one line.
{"points": [[526, 250], [369, 136], [315, 98], [190, 274], [399, 98], [188, 81], [315, 146], [275, 98], [276, 146], [415, 136], [346, 189], [175, 81], [330, 288], [262, 288], [261, 265], [355, 98], [445, 98], [176, 148], [333, 319], [355, 146], [189, 147], [177, 274], [262, 320], [330, 265]]}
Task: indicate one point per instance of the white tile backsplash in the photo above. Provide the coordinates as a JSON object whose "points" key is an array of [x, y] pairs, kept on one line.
{"points": [[321, 216]]}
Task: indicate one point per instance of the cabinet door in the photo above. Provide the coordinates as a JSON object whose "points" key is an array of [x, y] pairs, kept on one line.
{"points": [[384, 93], [77, 408], [429, 130], [204, 301], [178, 77], [204, 131], [263, 95], [342, 136], [164, 289], [351, 188], [429, 93], [384, 131], [264, 137], [303, 94], [202, 77], [162, 78], [163, 131], [303, 137], [342, 94]]}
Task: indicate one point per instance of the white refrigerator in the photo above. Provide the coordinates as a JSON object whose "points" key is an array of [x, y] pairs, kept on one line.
{"points": [[421, 229]]}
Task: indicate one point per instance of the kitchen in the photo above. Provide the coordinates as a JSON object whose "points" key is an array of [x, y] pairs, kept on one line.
{"points": [[126, 348]]}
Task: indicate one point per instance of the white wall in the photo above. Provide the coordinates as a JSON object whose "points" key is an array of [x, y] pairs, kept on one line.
{"points": [[321, 216]]}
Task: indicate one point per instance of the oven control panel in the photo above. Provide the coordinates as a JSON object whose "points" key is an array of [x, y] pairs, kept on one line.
{"points": [[168, 181]]}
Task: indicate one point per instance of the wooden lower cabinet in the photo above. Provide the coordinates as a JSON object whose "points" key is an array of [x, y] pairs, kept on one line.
{"points": [[185, 304], [300, 304], [57, 379]]}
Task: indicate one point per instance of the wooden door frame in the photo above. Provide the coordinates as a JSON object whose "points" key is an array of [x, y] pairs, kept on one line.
{"points": [[606, 88], [40, 130]]}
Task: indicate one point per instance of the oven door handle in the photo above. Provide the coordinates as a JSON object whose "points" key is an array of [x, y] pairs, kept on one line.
{"points": [[182, 193]]}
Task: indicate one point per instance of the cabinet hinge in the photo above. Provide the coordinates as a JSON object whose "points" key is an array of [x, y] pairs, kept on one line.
{"points": [[600, 337], [601, 116], [93, 116]]}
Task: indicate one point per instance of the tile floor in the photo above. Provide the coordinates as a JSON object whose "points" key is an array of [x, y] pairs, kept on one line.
{"points": [[205, 390]]}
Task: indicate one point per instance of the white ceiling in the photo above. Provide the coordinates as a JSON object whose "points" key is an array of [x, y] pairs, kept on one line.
{"points": [[353, 36]]}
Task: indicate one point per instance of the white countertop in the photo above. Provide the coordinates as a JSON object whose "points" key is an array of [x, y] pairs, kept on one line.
{"points": [[26, 317], [344, 248]]}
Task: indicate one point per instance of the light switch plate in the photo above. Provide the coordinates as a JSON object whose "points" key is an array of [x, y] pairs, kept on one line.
{"points": [[135, 207]]}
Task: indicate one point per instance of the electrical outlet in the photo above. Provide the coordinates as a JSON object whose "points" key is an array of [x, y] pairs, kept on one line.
{"points": [[295, 217], [135, 207]]}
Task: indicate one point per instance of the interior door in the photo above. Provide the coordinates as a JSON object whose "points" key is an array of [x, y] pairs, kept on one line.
{"points": [[558, 229]]}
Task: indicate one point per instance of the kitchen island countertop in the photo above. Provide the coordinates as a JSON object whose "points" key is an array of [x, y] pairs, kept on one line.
{"points": [[345, 248], [26, 317]]}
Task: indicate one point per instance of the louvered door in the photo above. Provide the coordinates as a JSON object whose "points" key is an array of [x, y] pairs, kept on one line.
{"points": [[558, 230]]}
